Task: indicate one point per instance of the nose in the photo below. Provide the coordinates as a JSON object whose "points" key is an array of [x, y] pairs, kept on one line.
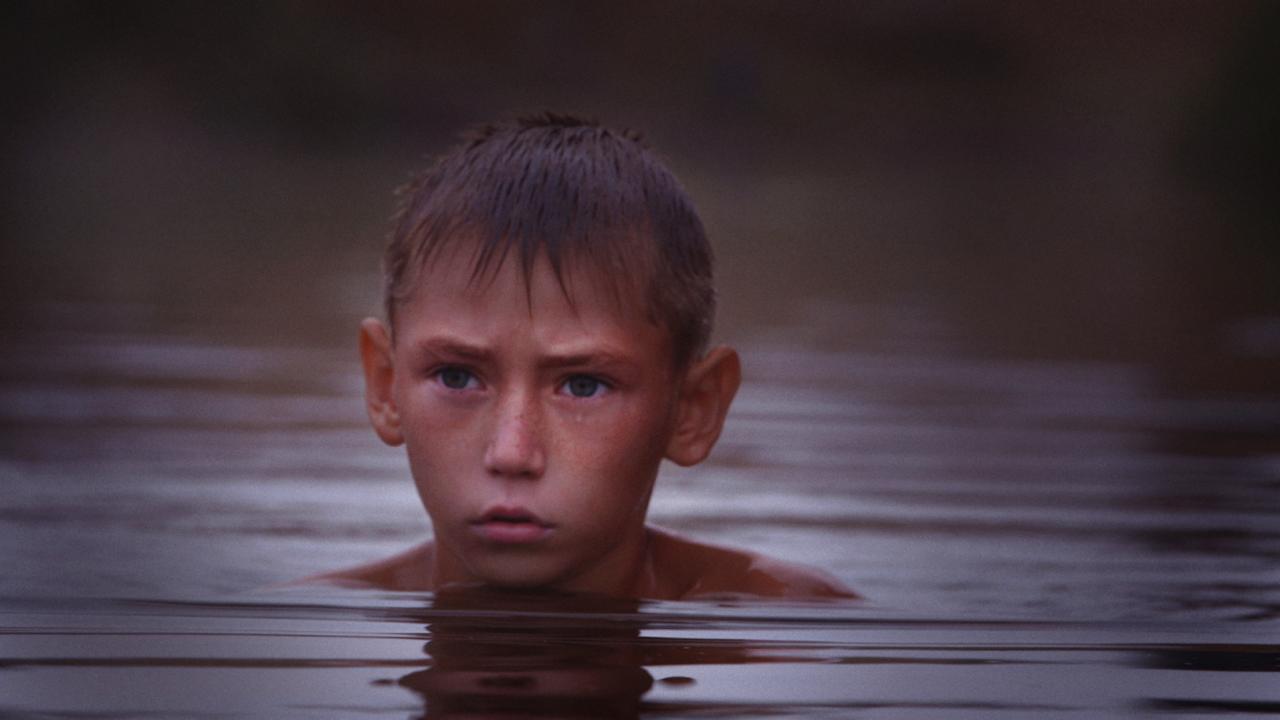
{"points": [[515, 450]]}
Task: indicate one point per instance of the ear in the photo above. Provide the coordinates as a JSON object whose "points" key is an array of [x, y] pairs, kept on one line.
{"points": [[379, 379], [705, 396]]}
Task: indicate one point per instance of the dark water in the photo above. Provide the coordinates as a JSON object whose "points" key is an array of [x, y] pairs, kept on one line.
{"points": [[1035, 421], [1035, 537], [413, 656]]}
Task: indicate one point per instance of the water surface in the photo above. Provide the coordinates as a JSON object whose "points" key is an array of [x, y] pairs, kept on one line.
{"points": [[1036, 537]]}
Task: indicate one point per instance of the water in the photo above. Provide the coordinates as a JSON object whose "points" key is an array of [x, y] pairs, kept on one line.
{"points": [[1035, 538], [409, 656]]}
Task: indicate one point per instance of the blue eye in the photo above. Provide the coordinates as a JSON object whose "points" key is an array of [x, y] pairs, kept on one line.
{"points": [[454, 378], [583, 386]]}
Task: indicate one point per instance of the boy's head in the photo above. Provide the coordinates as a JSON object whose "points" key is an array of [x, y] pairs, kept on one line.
{"points": [[549, 293], [592, 200]]}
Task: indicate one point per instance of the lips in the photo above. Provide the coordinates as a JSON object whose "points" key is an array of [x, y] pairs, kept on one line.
{"points": [[511, 525]]}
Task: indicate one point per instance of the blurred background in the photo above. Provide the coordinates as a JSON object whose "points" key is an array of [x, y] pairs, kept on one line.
{"points": [[1092, 178], [195, 197]]}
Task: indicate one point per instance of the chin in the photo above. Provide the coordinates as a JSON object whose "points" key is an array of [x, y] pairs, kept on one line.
{"points": [[517, 574]]}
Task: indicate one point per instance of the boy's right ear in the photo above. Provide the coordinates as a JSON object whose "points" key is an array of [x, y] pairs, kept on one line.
{"points": [[379, 381]]}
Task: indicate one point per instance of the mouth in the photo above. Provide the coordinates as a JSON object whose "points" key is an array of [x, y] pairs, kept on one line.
{"points": [[511, 525]]}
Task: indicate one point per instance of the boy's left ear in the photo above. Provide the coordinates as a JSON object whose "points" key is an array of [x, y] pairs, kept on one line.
{"points": [[705, 396]]}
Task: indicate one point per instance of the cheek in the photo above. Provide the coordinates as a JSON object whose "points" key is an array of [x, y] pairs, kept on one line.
{"points": [[439, 444], [620, 449]]}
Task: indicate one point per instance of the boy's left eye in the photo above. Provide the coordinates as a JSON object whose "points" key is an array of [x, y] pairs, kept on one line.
{"points": [[583, 386]]}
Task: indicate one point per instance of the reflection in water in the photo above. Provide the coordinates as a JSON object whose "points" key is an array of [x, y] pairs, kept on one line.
{"points": [[503, 654], [1217, 708], [1243, 658], [507, 666], [516, 655]]}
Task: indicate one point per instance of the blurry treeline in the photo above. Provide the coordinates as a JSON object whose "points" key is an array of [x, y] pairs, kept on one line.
{"points": [[1091, 178]]}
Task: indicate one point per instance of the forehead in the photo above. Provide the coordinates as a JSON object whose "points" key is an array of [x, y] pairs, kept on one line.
{"points": [[455, 285]]}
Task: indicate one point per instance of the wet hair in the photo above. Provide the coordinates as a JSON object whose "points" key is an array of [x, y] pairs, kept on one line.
{"points": [[590, 198]]}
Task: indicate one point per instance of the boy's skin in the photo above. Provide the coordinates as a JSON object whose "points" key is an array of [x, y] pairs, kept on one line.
{"points": [[535, 417]]}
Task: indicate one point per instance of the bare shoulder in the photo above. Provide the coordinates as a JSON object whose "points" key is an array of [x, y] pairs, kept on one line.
{"points": [[699, 570], [408, 570]]}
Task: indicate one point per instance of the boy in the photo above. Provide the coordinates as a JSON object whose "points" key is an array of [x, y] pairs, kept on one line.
{"points": [[549, 300]]}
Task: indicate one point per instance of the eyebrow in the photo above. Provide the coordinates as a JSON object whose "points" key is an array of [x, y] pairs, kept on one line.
{"points": [[458, 348], [452, 347], [586, 359]]}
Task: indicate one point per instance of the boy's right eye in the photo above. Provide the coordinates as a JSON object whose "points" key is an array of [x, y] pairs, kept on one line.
{"points": [[456, 378]]}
